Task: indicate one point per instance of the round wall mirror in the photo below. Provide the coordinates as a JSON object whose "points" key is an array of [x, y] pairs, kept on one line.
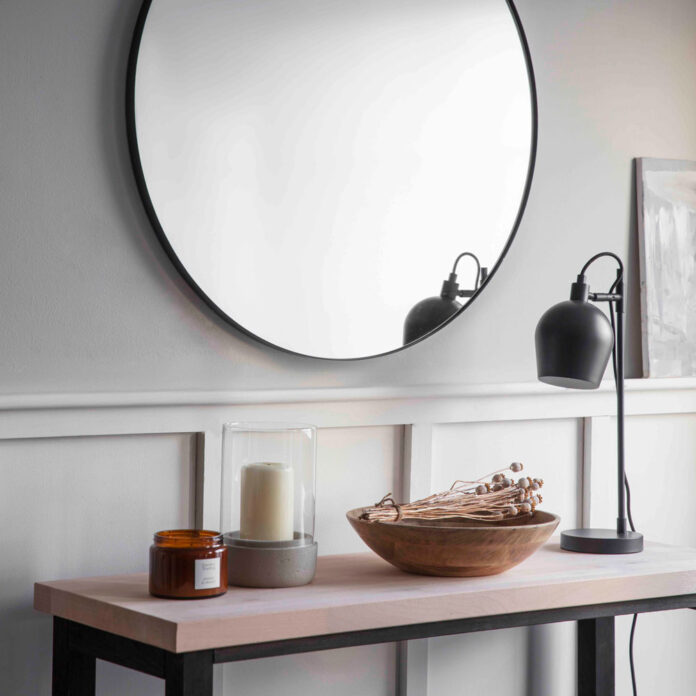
{"points": [[314, 168]]}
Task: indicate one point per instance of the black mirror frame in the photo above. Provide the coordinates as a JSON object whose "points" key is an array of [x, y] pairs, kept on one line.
{"points": [[164, 241]]}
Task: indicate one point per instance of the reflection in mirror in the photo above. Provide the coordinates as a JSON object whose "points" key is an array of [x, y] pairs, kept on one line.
{"points": [[314, 166], [432, 312]]}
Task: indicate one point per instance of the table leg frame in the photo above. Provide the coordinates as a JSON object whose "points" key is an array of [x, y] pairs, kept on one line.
{"points": [[74, 673], [596, 657], [76, 647], [189, 674]]}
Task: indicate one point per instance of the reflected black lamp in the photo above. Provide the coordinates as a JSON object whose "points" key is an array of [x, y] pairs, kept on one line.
{"points": [[574, 340], [430, 313]]}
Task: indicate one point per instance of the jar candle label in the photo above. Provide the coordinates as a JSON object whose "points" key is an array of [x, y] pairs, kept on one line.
{"points": [[207, 573]]}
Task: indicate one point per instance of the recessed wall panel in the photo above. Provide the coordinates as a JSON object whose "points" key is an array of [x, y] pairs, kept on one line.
{"points": [[660, 464], [514, 662], [355, 467], [74, 507]]}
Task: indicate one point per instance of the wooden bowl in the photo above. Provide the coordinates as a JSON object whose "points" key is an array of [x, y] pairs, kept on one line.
{"points": [[456, 547]]}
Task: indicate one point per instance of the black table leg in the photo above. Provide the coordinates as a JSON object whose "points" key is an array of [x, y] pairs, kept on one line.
{"points": [[596, 657], [73, 672], [189, 674]]}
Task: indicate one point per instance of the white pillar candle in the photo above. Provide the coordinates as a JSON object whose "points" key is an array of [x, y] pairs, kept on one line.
{"points": [[267, 504]]}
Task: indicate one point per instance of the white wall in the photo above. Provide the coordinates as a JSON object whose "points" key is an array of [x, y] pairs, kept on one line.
{"points": [[89, 303]]}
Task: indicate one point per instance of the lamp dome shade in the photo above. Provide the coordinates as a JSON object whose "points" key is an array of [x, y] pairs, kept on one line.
{"points": [[427, 315], [573, 340]]}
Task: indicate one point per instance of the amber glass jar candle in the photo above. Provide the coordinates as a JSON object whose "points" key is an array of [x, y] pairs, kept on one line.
{"points": [[188, 563]]}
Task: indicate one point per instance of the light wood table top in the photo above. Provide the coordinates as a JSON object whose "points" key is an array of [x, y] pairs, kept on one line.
{"points": [[360, 592]]}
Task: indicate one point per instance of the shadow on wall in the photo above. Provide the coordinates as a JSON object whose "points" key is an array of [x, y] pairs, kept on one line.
{"points": [[633, 342]]}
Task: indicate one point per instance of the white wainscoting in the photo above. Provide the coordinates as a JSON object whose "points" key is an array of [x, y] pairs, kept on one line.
{"points": [[86, 478]]}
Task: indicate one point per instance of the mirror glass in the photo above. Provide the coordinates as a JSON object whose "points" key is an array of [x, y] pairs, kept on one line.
{"points": [[314, 167]]}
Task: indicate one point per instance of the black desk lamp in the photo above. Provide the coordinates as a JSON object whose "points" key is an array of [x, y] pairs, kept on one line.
{"points": [[574, 340], [430, 313]]}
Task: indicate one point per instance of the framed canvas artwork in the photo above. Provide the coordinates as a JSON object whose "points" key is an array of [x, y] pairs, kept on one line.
{"points": [[666, 196]]}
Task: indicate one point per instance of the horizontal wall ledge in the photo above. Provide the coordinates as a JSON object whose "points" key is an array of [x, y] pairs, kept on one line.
{"points": [[403, 404]]}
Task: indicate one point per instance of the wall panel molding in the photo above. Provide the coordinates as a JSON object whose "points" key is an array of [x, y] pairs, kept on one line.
{"points": [[420, 409], [336, 407]]}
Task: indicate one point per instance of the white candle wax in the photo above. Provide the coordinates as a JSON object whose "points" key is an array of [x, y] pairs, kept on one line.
{"points": [[267, 504]]}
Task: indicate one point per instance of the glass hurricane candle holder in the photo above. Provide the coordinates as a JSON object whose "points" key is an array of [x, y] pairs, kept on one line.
{"points": [[268, 491]]}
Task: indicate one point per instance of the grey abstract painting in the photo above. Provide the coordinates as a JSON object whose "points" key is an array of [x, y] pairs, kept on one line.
{"points": [[666, 194]]}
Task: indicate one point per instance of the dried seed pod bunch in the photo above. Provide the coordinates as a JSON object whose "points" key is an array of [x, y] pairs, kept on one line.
{"points": [[491, 501]]}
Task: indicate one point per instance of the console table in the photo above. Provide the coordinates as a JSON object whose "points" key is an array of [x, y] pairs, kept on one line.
{"points": [[356, 599]]}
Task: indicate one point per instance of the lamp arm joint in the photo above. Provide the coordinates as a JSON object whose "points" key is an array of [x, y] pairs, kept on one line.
{"points": [[605, 297]]}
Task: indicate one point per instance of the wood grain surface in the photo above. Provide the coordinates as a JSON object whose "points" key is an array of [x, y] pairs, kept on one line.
{"points": [[361, 591]]}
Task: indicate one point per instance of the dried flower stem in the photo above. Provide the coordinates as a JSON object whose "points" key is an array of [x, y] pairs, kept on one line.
{"points": [[491, 501]]}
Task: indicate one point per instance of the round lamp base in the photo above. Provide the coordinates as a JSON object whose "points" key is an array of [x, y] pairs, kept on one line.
{"points": [[601, 541]]}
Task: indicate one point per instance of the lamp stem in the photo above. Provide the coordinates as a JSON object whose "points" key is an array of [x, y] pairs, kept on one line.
{"points": [[621, 524]]}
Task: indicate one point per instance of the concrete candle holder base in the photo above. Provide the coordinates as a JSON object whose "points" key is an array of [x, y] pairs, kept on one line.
{"points": [[270, 563]]}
